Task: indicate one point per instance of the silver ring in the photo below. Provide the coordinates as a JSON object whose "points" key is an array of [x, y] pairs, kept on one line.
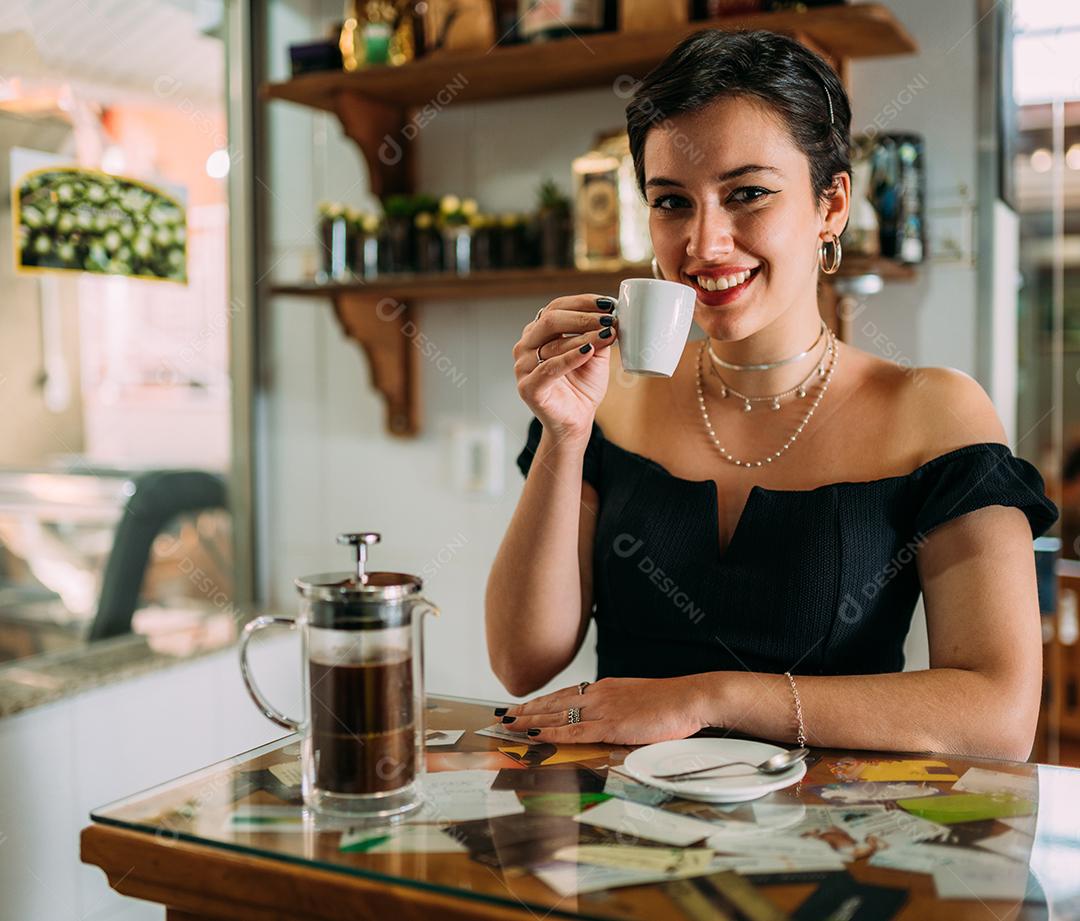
{"points": [[581, 687], [573, 715], [540, 311], [539, 357]]}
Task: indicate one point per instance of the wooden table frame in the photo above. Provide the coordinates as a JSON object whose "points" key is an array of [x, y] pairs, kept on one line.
{"points": [[200, 883]]}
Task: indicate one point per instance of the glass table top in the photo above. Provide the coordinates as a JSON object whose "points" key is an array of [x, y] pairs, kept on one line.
{"points": [[512, 827]]}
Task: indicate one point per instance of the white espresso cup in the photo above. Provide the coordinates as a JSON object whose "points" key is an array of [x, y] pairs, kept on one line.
{"points": [[654, 322]]}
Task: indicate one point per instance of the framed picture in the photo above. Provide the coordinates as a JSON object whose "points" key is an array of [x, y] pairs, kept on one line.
{"points": [[74, 219]]}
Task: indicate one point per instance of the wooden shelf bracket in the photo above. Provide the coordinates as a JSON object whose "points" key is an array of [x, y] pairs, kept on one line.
{"points": [[386, 330], [378, 129]]}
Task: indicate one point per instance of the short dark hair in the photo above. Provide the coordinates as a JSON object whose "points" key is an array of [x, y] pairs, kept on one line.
{"points": [[793, 81]]}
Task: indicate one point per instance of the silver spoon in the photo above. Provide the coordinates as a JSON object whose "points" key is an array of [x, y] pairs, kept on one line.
{"points": [[777, 764]]}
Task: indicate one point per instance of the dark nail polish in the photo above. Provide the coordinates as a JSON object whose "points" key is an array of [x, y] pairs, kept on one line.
{"points": [[605, 334], [509, 719], [606, 321], [605, 303], [533, 732], [501, 711], [585, 348]]}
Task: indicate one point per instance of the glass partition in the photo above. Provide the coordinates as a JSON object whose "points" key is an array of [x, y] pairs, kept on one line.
{"points": [[116, 435], [1045, 168]]}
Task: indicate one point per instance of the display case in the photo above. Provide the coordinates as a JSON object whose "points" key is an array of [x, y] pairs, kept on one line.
{"points": [[89, 554]]}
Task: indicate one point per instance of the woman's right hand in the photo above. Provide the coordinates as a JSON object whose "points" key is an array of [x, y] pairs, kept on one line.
{"points": [[565, 389]]}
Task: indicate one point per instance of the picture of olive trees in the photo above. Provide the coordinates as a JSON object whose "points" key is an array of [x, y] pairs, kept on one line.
{"points": [[88, 221]]}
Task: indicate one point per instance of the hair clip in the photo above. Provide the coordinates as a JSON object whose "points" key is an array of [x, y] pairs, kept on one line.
{"points": [[828, 98]]}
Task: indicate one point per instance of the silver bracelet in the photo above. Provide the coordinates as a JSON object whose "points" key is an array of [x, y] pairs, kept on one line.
{"points": [[801, 738]]}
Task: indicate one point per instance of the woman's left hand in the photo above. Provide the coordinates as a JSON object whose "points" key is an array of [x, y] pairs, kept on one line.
{"points": [[619, 711]]}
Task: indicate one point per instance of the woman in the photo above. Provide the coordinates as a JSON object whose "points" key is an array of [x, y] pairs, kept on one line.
{"points": [[754, 532]]}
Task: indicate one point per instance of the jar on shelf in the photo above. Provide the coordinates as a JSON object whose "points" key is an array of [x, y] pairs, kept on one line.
{"points": [[352, 228], [366, 247], [334, 242], [862, 236], [398, 235], [506, 21], [596, 211], [635, 241], [542, 20], [483, 242], [530, 235], [457, 248], [511, 245], [367, 33], [454, 217], [429, 243], [409, 39]]}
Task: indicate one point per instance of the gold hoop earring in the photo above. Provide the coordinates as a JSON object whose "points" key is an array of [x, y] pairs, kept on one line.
{"points": [[830, 265], [656, 273]]}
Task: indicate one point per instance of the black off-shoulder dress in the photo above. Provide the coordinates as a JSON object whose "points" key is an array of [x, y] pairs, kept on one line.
{"points": [[817, 581]]}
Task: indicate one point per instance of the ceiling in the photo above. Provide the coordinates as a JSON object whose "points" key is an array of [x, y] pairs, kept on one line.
{"points": [[155, 48]]}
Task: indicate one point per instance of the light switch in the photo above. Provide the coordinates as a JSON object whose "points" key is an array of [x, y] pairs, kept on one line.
{"points": [[476, 457]]}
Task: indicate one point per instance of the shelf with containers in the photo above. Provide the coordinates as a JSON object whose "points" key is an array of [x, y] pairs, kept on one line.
{"points": [[378, 101]]}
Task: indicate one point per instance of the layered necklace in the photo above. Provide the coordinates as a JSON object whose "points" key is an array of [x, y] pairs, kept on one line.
{"points": [[822, 372]]}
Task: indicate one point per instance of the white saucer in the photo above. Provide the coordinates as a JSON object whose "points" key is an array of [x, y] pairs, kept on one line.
{"points": [[687, 754]]}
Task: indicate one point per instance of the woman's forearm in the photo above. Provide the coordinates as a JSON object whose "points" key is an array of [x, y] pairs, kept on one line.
{"points": [[534, 606], [936, 710]]}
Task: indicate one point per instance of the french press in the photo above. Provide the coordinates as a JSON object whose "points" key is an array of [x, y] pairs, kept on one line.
{"points": [[362, 733]]}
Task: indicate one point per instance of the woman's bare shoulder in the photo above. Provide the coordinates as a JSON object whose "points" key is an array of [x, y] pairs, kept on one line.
{"points": [[935, 410]]}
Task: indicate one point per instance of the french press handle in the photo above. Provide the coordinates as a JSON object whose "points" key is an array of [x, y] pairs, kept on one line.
{"points": [[268, 709], [360, 540]]}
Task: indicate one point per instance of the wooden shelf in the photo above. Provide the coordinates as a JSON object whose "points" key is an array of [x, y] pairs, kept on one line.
{"points": [[500, 283], [522, 282], [844, 31]]}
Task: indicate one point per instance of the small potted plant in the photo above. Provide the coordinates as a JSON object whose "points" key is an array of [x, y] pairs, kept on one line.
{"points": [[554, 226]]}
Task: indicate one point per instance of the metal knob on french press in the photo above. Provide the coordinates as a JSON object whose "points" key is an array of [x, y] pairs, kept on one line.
{"points": [[362, 744], [361, 541]]}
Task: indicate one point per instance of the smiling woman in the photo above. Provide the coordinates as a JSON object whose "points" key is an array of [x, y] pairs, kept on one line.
{"points": [[752, 534]]}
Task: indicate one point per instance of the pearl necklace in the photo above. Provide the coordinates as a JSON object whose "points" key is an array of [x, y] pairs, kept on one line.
{"points": [[768, 459]]}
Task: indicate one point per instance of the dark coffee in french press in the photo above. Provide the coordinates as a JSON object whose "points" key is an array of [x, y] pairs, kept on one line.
{"points": [[362, 725]]}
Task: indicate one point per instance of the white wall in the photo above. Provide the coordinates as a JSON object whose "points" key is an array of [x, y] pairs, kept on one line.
{"points": [[332, 468]]}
